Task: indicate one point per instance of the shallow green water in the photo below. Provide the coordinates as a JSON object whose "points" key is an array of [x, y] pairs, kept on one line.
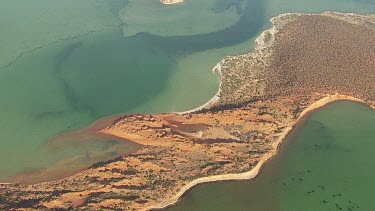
{"points": [[69, 84], [65, 64], [325, 164], [171, 20]]}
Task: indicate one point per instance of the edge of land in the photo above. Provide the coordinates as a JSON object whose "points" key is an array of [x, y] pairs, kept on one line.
{"points": [[256, 170], [264, 41]]}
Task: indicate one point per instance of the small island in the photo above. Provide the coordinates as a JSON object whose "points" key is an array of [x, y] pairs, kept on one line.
{"points": [[302, 63], [171, 1]]}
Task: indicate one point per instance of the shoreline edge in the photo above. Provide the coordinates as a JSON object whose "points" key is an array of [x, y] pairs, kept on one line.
{"points": [[260, 44], [256, 170]]}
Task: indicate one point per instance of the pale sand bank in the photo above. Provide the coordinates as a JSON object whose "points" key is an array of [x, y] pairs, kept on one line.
{"points": [[167, 2]]}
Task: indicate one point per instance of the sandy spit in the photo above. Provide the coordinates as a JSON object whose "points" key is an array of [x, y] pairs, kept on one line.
{"points": [[261, 44], [255, 171]]}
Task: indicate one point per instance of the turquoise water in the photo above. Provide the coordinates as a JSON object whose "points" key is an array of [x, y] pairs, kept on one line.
{"points": [[325, 164], [65, 64]]}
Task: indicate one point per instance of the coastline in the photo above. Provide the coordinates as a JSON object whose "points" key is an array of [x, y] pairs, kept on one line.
{"points": [[256, 170], [217, 71], [265, 40], [261, 44]]}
